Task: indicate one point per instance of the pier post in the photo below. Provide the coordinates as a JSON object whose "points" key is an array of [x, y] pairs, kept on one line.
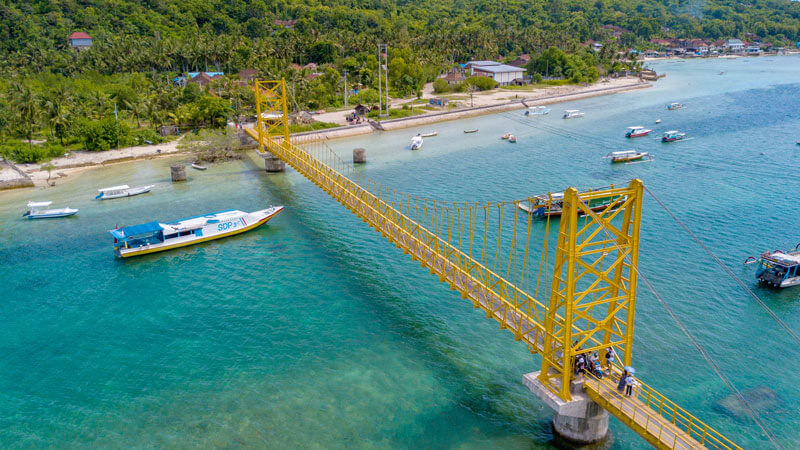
{"points": [[273, 164], [580, 421], [359, 155], [178, 172]]}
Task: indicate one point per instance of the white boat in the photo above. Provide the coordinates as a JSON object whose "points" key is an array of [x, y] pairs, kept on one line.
{"points": [[637, 131], [198, 166], [36, 211], [658, 120], [475, 130], [674, 106], [122, 191], [538, 111], [505, 136], [431, 134], [512, 139], [628, 156], [416, 142], [154, 237], [572, 114]]}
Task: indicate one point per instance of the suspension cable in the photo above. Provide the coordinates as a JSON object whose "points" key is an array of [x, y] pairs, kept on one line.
{"points": [[727, 269], [750, 411]]}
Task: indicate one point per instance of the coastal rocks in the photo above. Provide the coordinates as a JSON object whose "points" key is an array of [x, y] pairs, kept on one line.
{"points": [[178, 172], [12, 177], [761, 399], [359, 155]]}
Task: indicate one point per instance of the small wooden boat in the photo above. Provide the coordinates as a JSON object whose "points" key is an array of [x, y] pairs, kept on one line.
{"points": [[628, 156], [122, 191], [658, 120], [512, 139], [674, 106], [198, 166], [573, 114], [416, 142], [154, 236], [471, 131], [505, 136], [672, 136], [35, 211], [431, 134], [637, 131]]}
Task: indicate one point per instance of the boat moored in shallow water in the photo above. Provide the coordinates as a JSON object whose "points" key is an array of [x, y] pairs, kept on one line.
{"points": [[154, 237], [628, 156], [122, 191], [538, 111], [416, 142], [674, 106], [430, 134], [572, 114], [672, 136], [778, 269], [552, 203], [637, 131], [36, 211]]}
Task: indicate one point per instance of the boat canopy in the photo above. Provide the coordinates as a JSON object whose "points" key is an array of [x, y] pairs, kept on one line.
{"points": [[572, 110], [671, 132], [114, 188], [39, 204], [624, 153], [126, 232], [785, 258]]}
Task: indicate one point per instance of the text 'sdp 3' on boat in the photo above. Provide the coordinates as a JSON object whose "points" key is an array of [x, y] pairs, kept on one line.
{"points": [[778, 268], [628, 156], [36, 210], [552, 203], [154, 237], [122, 191], [637, 131], [672, 136]]}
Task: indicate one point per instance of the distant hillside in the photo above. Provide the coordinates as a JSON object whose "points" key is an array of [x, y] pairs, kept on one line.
{"points": [[140, 34]]}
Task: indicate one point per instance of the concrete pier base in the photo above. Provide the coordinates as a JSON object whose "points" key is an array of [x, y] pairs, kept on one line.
{"points": [[273, 164], [178, 172], [581, 420], [359, 155]]}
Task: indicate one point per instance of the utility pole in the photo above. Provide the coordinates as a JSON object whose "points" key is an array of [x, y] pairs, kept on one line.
{"points": [[380, 86], [383, 67], [386, 73], [345, 89]]}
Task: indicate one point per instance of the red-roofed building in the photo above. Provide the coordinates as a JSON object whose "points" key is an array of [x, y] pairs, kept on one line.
{"points": [[79, 40], [522, 60]]}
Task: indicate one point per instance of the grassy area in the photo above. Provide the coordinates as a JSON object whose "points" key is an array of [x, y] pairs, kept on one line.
{"points": [[541, 85], [398, 113], [312, 127]]}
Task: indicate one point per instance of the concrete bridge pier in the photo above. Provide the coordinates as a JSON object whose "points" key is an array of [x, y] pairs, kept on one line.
{"points": [[580, 421], [273, 164]]}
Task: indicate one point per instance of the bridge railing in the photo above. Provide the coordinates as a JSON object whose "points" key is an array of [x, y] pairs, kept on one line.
{"points": [[648, 405]]}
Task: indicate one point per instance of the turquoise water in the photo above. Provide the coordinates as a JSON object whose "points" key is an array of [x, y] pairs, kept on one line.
{"points": [[312, 332]]}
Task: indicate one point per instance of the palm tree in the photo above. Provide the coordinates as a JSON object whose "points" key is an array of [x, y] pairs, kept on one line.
{"points": [[24, 104]]}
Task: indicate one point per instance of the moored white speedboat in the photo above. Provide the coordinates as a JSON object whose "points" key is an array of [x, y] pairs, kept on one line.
{"points": [[637, 131], [416, 142], [35, 211], [122, 191], [154, 237], [628, 156], [572, 114], [672, 136]]}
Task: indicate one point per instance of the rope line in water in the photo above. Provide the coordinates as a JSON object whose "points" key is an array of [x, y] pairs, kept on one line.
{"points": [[750, 411], [719, 262]]}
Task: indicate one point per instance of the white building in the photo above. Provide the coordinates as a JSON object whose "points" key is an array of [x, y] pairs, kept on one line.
{"points": [[501, 73], [734, 45]]}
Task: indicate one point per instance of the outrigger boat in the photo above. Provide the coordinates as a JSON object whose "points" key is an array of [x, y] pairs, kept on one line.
{"points": [[471, 131], [674, 106], [672, 136], [637, 131], [198, 166], [122, 191], [416, 142], [431, 134], [628, 156], [551, 204], [777, 268], [154, 237], [35, 211], [572, 114]]}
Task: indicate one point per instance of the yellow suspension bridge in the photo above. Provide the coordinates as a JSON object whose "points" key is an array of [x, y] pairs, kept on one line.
{"points": [[484, 251]]}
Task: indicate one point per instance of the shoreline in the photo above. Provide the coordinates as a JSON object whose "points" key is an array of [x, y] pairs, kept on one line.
{"points": [[78, 162]]}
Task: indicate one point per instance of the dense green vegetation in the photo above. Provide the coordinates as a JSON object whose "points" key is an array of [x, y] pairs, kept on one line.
{"points": [[120, 90]]}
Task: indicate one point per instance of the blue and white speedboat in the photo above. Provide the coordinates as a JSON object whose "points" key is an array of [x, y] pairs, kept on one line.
{"points": [[36, 211], [154, 237]]}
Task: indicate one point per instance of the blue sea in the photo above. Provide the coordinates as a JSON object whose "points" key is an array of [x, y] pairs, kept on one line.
{"points": [[312, 332]]}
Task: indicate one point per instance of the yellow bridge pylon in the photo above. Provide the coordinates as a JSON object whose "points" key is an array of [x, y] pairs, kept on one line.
{"points": [[484, 251]]}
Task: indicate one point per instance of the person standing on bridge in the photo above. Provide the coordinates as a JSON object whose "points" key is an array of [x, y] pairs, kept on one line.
{"points": [[629, 382], [611, 356]]}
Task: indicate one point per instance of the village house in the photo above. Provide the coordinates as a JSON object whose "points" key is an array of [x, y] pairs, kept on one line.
{"points": [[734, 45], [470, 65], [79, 40], [521, 61], [503, 74], [204, 78], [454, 77], [248, 75]]}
